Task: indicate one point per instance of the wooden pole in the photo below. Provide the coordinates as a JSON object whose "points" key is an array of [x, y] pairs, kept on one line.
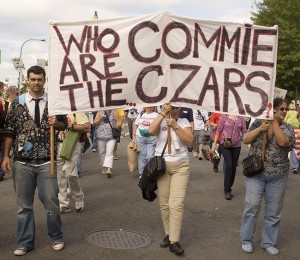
{"points": [[169, 136], [52, 150], [264, 145]]}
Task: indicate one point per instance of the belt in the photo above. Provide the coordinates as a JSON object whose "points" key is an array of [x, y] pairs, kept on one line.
{"points": [[32, 161]]}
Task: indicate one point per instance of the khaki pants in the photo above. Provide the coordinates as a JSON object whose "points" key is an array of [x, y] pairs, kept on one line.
{"points": [[67, 175], [172, 188]]}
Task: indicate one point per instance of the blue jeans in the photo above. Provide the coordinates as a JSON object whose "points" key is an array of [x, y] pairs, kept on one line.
{"points": [[273, 189], [26, 178], [94, 137], [231, 157], [147, 148], [294, 160]]}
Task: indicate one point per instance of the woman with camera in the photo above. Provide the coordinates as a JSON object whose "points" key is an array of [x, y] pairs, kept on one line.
{"points": [[229, 128], [271, 182], [172, 186]]}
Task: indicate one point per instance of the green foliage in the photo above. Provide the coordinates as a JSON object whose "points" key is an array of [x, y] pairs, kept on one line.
{"points": [[285, 14], [23, 88]]}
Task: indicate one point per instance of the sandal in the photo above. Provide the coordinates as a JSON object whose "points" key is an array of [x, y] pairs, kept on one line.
{"points": [[115, 157], [108, 173]]}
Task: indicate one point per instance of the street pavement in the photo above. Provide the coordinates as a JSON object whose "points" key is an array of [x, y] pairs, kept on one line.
{"points": [[210, 229]]}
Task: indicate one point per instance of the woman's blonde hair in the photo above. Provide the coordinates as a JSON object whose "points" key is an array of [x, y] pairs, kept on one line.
{"points": [[153, 108]]}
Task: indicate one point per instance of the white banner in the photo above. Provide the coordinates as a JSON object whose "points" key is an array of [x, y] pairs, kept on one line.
{"points": [[152, 59]]}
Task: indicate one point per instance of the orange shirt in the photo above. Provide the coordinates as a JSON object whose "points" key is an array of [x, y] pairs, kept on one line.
{"points": [[215, 117]]}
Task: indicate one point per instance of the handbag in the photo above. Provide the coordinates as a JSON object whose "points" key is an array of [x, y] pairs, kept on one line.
{"points": [[156, 167], [69, 142], [116, 132], [132, 157], [254, 164], [227, 142]]}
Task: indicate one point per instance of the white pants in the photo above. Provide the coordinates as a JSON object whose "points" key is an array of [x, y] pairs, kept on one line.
{"points": [[67, 176], [106, 152]]}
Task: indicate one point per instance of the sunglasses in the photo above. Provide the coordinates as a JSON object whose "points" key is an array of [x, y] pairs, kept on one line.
{"points": [[283, 109]]}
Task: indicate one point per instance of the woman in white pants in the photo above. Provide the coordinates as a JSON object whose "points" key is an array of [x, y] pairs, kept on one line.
{"points": [[106, 143]]}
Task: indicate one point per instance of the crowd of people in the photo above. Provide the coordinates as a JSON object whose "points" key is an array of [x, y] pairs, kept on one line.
{"points": [[25, 151]]}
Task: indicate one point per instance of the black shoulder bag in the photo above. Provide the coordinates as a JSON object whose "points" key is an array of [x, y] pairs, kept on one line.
{"points": [[254, 164], [116, 132], [156, 167]]}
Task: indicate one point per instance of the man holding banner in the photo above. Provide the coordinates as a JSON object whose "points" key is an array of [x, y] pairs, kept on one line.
{"points": [[28, 128]]}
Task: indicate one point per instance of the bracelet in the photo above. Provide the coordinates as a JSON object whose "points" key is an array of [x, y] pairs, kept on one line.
{"points": [[162, 114], [176, 127]]}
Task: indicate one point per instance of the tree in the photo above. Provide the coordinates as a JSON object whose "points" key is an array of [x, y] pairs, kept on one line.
{"points": [[24, 88], [285, 14]]}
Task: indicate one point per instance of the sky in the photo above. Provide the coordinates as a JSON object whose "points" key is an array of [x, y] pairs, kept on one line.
{"points": [[21, 20]]}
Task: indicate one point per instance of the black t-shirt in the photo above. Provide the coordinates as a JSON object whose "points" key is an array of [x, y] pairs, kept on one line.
{"points": [[187, 113]]}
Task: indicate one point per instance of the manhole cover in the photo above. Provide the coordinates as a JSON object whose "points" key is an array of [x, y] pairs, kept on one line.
{"points": [[118, 239]]}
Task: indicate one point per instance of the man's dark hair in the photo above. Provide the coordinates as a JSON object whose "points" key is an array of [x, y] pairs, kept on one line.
{"points": [[36, 70]]}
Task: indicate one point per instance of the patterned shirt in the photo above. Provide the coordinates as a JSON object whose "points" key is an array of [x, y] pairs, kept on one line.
{"points": [[31, 142], [276, 157], [104, 130], [229, 128]]}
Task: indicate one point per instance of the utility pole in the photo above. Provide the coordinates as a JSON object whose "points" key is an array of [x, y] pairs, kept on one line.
{"points": [[20, 58]]}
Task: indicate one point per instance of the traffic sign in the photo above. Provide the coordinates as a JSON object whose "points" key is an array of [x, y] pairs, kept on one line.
{"points": [[18, 64]]}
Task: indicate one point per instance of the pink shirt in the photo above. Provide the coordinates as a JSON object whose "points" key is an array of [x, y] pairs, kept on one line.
{"points": [[232, 129]]}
